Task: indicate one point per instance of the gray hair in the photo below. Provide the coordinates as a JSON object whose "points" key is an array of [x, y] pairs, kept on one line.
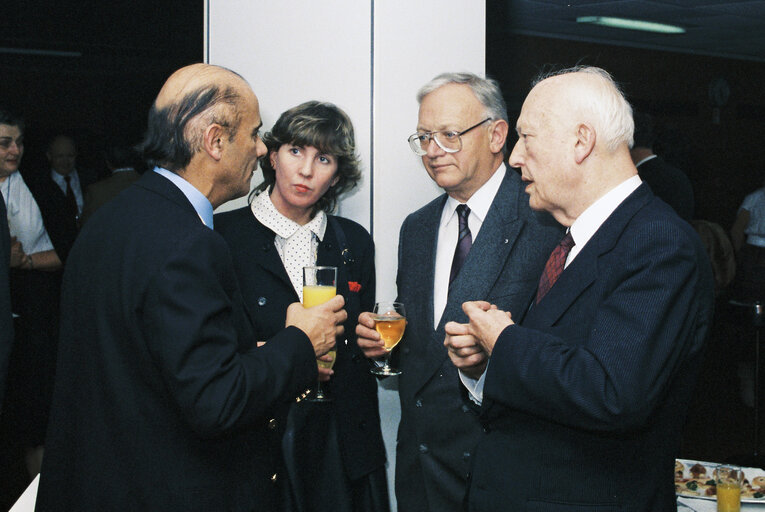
{"points": [[610, 110], [486, 90]]}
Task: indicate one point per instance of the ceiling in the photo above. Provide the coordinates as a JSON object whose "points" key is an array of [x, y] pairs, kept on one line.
{"points": [[732, 29], [152, 28]]}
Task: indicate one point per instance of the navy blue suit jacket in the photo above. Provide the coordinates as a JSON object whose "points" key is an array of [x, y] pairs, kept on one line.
{"points": [[162, 400], [584, 404], [438, 431]]}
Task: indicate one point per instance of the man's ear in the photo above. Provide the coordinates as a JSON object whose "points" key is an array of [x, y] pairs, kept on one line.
{"points": [[585, 142], [498, 135], [213, 140]]}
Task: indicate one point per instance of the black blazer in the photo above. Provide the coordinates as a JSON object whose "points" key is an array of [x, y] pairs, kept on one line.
{"points": [[267, 291], [669, 184], [61, 225], [6, 319], [162, 400], [584, 403]]}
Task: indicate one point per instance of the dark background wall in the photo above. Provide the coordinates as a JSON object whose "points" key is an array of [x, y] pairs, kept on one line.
{"points": [[724, 159], [91, 69]]}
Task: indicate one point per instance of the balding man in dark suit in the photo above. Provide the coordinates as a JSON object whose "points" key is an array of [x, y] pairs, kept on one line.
{"points": [[163, 396]]}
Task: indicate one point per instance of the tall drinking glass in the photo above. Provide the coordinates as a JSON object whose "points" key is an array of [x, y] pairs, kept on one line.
{"points": [[319, 286], [390, 322]]}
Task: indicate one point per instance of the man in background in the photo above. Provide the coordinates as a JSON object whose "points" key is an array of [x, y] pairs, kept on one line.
{"points": [[163, 398], [667, 182], [584, 401], [479, 240], [122, 162]]}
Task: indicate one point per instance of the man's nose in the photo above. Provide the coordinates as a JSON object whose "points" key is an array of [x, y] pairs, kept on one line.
{"points": [[260, 148], [433, 149], [516, 159]]}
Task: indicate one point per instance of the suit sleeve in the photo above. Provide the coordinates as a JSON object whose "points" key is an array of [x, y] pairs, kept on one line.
{"points": [[190, 328], [614, 372]]}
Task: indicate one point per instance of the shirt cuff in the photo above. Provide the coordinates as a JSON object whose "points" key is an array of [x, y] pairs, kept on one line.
{"points": [[474, 386]]}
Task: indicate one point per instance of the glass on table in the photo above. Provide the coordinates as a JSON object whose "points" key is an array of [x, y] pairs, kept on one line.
{"points": [[728, 481]]}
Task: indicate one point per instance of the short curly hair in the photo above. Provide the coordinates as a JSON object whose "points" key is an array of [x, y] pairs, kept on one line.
{"points": [[327, 128]]}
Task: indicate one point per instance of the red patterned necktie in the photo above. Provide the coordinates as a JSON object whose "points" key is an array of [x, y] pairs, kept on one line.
{"points": [[554, 266], [464, 242]]}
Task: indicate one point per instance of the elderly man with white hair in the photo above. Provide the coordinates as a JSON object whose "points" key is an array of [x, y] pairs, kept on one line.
{"points": [[583, 405]]}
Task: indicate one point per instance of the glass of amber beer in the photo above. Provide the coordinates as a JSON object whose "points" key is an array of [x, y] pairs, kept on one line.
{"points": [[390, 322], [320, 285]]}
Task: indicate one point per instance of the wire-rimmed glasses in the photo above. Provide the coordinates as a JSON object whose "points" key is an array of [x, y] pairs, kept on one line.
{"points": [[448, 140]]}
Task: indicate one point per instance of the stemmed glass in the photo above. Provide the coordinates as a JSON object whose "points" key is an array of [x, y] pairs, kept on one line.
{"points": [[319, 286], [390, 322]]}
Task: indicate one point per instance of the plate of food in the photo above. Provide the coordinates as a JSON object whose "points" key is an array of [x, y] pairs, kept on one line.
{"points": [[696, 479]]}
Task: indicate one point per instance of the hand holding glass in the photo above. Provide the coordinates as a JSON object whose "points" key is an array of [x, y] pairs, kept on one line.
{"points": [[390, 322], [319, 286]]}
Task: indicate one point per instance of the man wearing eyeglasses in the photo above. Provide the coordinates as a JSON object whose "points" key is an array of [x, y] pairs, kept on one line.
{"points": [[479, 240]]}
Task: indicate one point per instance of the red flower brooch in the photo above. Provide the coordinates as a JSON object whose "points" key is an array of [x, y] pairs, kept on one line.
{"points": [[354, 286]]}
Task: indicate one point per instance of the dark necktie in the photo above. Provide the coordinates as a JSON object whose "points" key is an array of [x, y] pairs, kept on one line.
{"points": [[70, 196], [554, 266], [464, 242]]}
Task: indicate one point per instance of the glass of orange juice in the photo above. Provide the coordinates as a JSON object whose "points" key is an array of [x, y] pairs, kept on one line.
{"points": [[728, 480], [390, 322], [320, 285]]}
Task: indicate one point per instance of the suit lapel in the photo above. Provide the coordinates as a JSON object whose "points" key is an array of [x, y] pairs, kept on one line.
{"points": [[424, 256], [492, 247], [260, 244], [583, 271]]}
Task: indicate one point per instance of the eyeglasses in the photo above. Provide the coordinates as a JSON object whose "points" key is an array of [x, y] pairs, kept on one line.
{"points": [[448, 140]]}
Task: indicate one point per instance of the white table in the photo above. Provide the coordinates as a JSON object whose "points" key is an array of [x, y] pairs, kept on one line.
{"points": [[699, 505]]}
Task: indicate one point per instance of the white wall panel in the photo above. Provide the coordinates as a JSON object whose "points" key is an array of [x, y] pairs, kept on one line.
{"points": [[370, 58]]}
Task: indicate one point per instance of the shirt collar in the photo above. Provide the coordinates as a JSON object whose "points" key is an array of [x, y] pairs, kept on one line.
{"points": [[201, 204], [590, 220], [60, 178], [649, 157], [265, 211], [480, 202]]}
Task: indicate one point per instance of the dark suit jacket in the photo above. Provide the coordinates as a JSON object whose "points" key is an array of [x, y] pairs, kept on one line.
{"points": [[162, 401], [60, 223], [584, 404], [267, 291], [100, 192], [6, 319], [670, 184], [438, 431]]}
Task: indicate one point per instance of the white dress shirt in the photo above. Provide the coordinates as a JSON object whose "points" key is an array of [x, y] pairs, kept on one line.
{"points": [[583, 228], [448, 231], [24, 217], [297, 245]]}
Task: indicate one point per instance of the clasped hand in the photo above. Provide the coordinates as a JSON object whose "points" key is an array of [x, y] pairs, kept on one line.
{"points": [[470, 345]]}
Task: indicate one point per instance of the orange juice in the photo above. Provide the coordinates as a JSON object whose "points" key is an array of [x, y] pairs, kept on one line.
{"points": [[728, 497], [313, 295]]}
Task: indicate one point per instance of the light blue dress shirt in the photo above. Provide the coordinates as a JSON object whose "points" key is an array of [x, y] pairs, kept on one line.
{"points": [[201, 204]]}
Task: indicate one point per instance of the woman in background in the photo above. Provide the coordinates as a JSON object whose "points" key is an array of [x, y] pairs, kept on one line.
{"points": [[334, 453]]}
